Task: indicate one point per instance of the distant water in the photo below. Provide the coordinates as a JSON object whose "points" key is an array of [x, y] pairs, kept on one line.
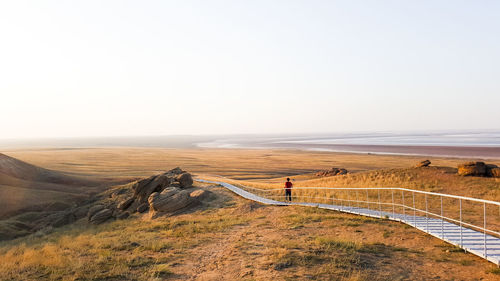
{"points": [[466, 144], [472, 144], [486, 139]]}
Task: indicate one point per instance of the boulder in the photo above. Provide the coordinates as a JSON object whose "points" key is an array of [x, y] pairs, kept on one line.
{"points": [[185, 180], [489, 169], [125, 203], [472, 169], [94, 210], [199, 194], [101, 216], [123, 215], [332, 172], [118, 192], [170, 200], [175, 184], [424, 163], [342, 171], [169, 191], [144, 188], [142, 208], [174, 171], [495, 173]]}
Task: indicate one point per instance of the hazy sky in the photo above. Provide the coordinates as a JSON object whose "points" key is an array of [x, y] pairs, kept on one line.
{"points": [[107, 68]]}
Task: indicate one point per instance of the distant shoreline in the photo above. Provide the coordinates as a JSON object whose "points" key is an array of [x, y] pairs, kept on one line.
{"points": [[473, 152], [471, 145], [442, 151]]}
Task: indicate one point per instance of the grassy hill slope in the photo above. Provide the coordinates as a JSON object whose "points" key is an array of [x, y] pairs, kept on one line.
{"points": [[23, 186], [230, 238], [434, 179]]}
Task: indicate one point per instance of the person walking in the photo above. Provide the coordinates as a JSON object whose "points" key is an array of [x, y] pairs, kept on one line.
{"points": [[288, 190]]}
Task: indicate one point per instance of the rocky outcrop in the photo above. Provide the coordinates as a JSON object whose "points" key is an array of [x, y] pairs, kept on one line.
{"points": [[144, 188], [173, 189], [163, 193], [479, 169], [170, 200], [424, 163], [142, 208], [118, 192], [199, 194], [123, 205], [101, 216], [491, 170], [94, 210], [185, 180], [174, 171], [123, 215], [332, 172], [495, 172], [472, 169]]}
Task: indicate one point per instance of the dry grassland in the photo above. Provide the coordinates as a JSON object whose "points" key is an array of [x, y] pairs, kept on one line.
{"points": [[234, 239]]}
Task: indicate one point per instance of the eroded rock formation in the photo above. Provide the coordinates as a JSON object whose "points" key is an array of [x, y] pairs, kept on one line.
{"points": [[424, 163], [160, 194], [332, 172], [472, 169], [479, 169]]}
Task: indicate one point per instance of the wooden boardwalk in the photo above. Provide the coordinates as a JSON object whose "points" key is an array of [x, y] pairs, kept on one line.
{"points": [[483, 245]]}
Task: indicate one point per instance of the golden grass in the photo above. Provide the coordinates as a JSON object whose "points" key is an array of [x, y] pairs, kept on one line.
{"points": [[132, 248], [235, 163], [257, 243], [268, 168], [432, 179], [290, 243]]}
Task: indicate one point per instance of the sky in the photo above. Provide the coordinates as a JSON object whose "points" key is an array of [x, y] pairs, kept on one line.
{"points": [[141, 68]]}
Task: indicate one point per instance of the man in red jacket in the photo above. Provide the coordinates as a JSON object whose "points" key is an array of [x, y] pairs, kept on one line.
{"points": [[288, 190]]}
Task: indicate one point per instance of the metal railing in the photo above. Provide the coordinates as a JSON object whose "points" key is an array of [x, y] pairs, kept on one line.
{"points": [[441, 215]]}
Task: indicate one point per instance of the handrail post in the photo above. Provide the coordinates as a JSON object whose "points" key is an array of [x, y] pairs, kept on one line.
{"points": [[414, 211], [357, 197], [461, 239], [333, 198], [341, 204], [367, 201], [379, 205], [393, 210], [348, 198], [404, 207], [442, 218], [484, 230], [426, 215]]}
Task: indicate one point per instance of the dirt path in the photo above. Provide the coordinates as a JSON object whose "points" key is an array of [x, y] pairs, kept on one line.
{"points": [[238, 254], [216, 260]]}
